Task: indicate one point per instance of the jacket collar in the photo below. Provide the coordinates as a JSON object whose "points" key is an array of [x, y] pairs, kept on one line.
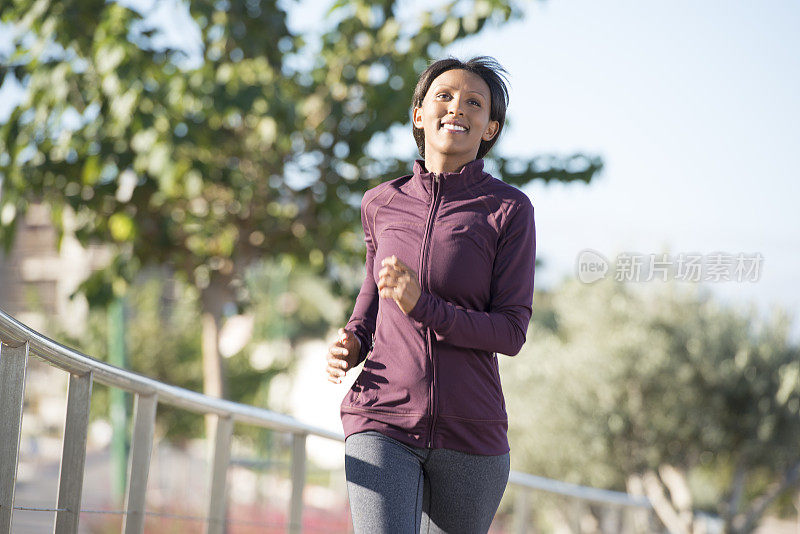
{"points": [[450, 182]]}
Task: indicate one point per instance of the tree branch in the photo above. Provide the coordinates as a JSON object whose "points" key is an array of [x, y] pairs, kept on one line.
{"points": [[679, 492], [666, 512], [746, 522], [731, 506]]}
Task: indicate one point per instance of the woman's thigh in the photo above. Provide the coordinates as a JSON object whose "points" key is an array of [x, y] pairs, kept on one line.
{"points": [[462, 491], [384, 484]]}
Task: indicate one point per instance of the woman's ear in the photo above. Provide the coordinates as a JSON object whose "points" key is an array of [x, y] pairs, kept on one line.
{"points": [[417, 118], [490, 131]]}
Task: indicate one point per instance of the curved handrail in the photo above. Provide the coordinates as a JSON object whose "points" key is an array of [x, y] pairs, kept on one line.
{"points": [[585, 493], [12, 332]]}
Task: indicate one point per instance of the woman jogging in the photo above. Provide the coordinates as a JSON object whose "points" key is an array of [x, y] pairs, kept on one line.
{"points": [[448, 285]]}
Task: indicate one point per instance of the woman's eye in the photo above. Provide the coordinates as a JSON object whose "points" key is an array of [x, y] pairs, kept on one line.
{"points": [[476, 103]]}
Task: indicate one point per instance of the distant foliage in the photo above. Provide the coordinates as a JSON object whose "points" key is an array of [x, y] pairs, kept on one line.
{"points": [[665, 392]]}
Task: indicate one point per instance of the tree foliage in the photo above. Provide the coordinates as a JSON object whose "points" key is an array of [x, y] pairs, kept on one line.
{"points": [[258, 149], [258, 146], [163, 335], [668, 393]]}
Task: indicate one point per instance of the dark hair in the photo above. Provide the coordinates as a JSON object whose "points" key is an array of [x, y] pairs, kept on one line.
{"points": [[484, 66]]}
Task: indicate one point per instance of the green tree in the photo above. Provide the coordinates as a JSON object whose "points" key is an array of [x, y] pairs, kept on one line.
{"points": [[163, 334], [258, 148], [666, 393]]}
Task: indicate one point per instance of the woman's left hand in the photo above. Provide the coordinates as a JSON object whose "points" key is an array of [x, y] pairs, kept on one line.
{"points": [[398, 281]]}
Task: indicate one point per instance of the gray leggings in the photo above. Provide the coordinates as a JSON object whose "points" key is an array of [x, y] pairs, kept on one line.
{"points": [[398, 488]]}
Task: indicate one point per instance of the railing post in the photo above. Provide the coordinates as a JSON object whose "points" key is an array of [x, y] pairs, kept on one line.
{"points": [[522, 511], [298, 482], [13, 364], [611, 519], [219, 476], [73, 456], [144, 420], [576, 510], [626, 521]]}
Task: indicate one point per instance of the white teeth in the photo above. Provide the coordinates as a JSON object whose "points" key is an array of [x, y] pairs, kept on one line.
{"points": [[454, 128]]}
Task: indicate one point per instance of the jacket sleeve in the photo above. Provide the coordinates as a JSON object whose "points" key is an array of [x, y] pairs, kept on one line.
{"points": [[365, 311], [503, 328]]}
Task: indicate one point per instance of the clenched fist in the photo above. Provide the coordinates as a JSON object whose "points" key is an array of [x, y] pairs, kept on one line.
{"points": [[343, 355], [399, 282]]}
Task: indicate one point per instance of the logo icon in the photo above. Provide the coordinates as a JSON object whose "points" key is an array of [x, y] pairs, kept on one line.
{"points": [[591, 266]]}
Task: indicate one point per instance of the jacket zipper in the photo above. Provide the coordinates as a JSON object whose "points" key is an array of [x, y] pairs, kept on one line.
{"points": [[429, 342]]}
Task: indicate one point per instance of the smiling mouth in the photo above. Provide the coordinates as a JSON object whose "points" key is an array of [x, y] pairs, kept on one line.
{"points": [[454, 128]]}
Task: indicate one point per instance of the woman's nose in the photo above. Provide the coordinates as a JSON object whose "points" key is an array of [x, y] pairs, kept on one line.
{"points": [[455, 106]]}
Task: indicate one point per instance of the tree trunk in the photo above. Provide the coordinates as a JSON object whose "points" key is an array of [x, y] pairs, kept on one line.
{"points": [[670, 515], [747, 522], [637, 519], [730, 507], [213, 299], [213, 375]]}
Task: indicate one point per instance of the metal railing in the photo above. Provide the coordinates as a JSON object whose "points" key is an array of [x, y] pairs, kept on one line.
{"points": [[17, 342]]}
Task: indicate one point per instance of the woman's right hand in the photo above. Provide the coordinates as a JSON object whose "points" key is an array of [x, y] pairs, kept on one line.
{"points": [[343, 355]]}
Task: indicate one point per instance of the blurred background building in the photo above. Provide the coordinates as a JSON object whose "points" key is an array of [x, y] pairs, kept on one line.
{"points": [[37, 278]]}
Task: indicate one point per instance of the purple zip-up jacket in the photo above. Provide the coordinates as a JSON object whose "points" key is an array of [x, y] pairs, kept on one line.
{"points": [[430, 378]]}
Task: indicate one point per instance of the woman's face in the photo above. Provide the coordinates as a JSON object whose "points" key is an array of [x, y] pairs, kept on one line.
{"points": [[455, 116]]}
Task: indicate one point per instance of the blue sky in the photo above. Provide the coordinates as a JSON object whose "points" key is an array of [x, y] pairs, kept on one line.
{"points": [[693, 107]]}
